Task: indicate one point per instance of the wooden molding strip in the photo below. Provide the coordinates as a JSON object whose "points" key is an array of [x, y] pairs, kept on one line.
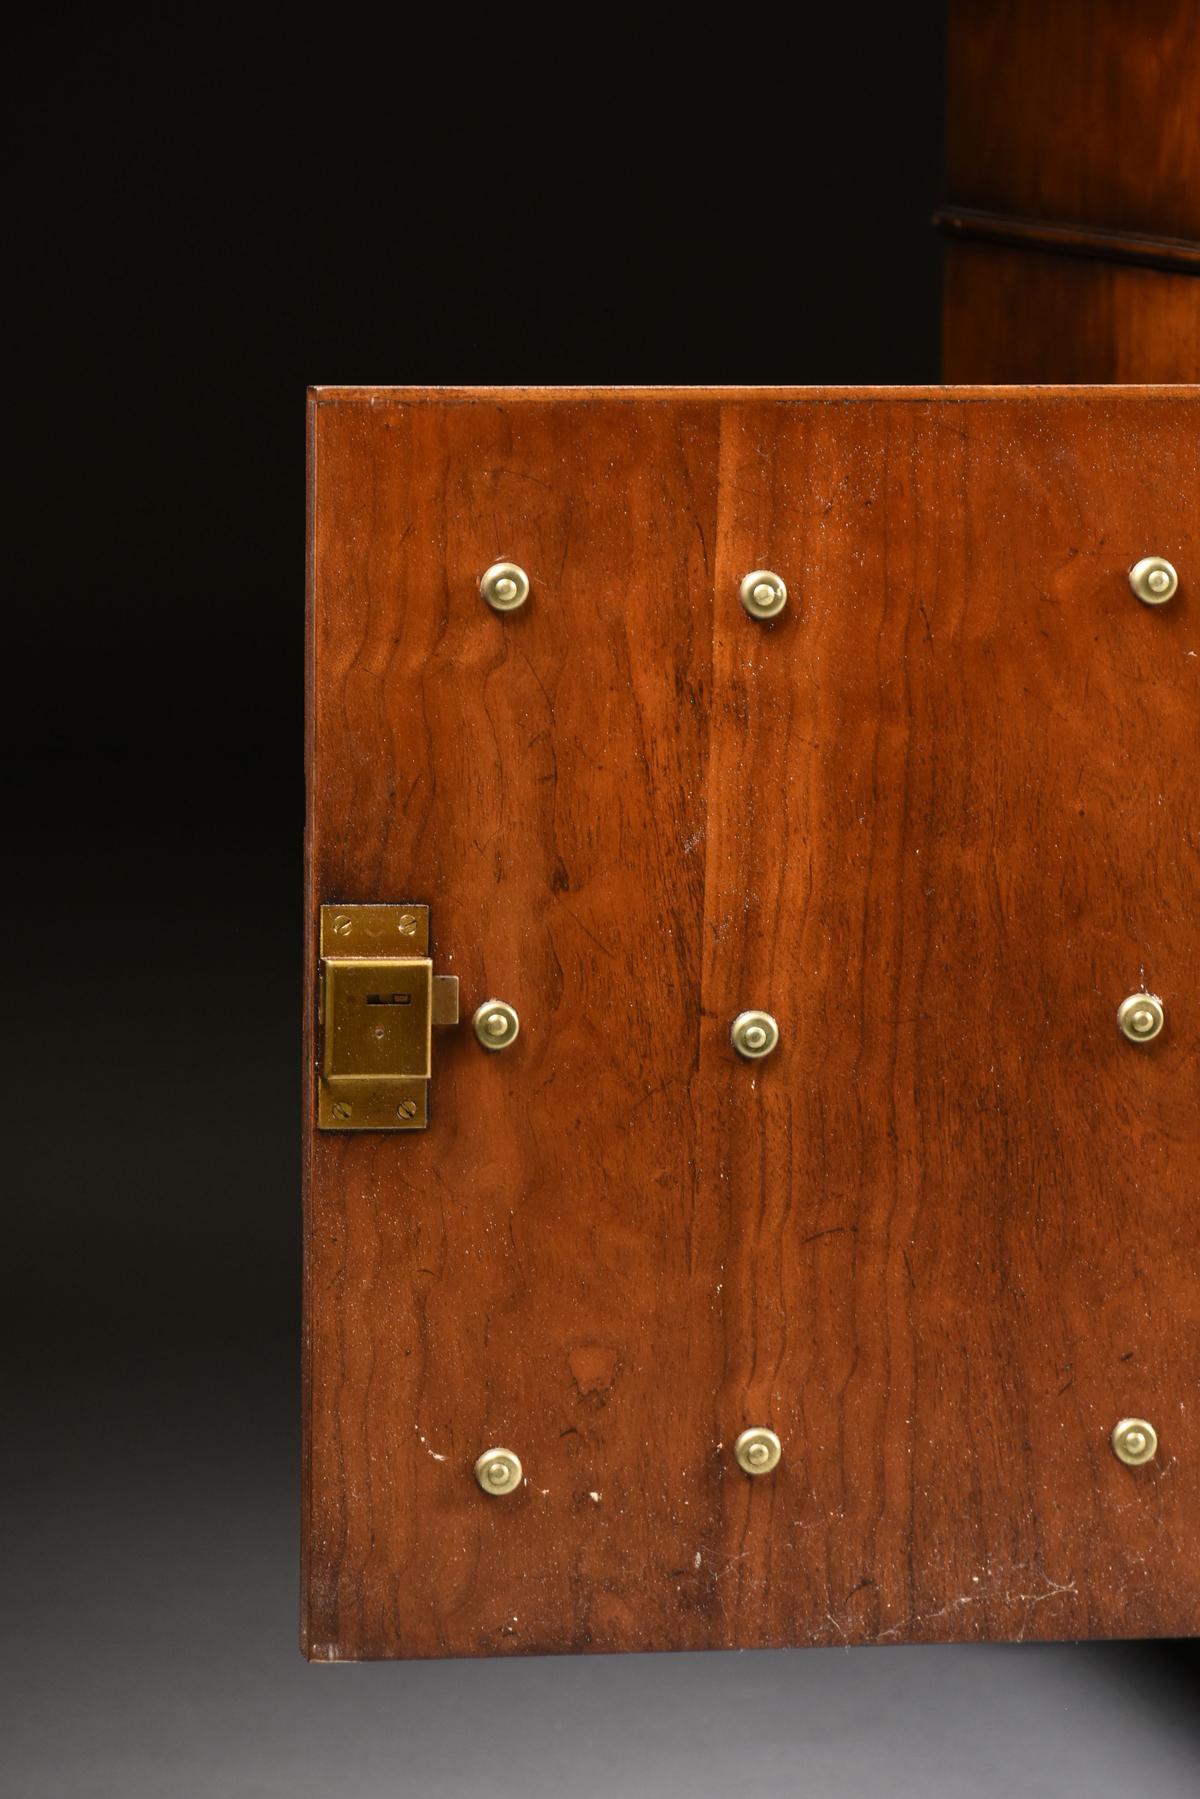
{"points": [[1176, 254], [962, 393]]}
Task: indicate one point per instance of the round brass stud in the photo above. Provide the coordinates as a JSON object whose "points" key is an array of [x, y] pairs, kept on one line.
{"points": [[763, 594], [496, 1024], [1140, 1017], [754, 1035], [1134, 1442], [498, 1471], [758, 1450], [505, 587], [1153, 580]]}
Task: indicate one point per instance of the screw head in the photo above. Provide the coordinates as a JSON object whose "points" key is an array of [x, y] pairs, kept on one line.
{"points": [[342, 925], [498, 1471], [496, 1024], [1153, 580], [1140, 1017], [762, 593], [505, 587], [407, 1108], [1134, 1442], [758, 1450], [754, 1035], [340, 1109]]}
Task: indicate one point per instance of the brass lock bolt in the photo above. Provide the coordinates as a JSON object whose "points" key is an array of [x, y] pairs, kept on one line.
{"points": [[379, 1000]]}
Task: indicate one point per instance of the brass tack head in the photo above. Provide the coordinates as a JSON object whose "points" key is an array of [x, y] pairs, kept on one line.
{"points": [[505, 587], [498, 1471], [1140, 1017], [496, 1024], [754, 1035], [1134, 1441], [758, 1450], [1153, 580], [762, 594]]}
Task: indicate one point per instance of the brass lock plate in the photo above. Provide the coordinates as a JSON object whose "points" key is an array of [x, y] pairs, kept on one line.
{"points": [[379, 1001]]}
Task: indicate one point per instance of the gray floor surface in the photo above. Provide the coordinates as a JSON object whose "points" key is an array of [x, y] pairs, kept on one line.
{"points": [[149, 1648]]}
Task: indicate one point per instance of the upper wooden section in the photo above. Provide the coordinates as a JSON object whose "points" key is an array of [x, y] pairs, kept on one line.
{"points": [[1085, 111], [1073, 191]]}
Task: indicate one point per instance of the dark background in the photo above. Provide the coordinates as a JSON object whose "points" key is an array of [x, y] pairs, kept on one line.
{"points": [[202, 227]]}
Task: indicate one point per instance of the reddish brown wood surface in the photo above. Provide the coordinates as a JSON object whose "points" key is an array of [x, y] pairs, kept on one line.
{"points": [[1077, 110], [939, 819], [1026, 316], [1083, 114]]}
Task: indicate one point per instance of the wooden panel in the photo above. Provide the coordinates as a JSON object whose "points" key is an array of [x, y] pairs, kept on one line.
{"points": [[1084, 113], [1081, 110], [952, 821], [1018, 315], [523, 1272], [939, 819]]}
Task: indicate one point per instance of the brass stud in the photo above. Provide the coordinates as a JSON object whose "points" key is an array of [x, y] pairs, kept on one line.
{"points": [[758, 1450], [498, 1471], [1140, 1017], [505, 587], [1153, 580], [763, 594], [754, 1035], [1134, 1442], [496, 1024]]}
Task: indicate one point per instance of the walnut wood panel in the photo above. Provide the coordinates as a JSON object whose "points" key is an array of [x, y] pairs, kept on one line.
{"points": [[524, 1273], [1020, 315], [939, 819], [1077, 110], [1083, 114], [951, 823]]}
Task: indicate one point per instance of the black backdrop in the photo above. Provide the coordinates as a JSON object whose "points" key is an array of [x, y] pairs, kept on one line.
{"points": [[204, 227]]}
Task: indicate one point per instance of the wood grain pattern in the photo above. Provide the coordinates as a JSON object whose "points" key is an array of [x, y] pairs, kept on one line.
{"points": [[1080, 110], [939, 818], [1082, 114], [539, 781], [1022, 316]]}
